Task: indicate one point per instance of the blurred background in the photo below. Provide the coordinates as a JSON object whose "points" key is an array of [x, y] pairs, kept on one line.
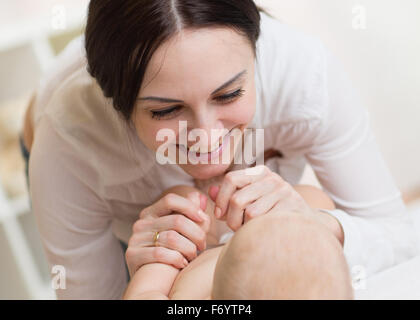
{"points": [[377, 41]]}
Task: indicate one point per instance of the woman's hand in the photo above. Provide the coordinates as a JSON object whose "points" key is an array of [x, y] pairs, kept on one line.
{"points": [[249, 193], [182, 226]]}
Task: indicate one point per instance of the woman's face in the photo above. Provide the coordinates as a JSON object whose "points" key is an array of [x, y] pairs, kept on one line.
{"points": [[200, 82]]}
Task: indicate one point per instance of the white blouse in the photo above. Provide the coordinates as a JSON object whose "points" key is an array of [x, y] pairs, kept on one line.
{"points": [[90, 175]]}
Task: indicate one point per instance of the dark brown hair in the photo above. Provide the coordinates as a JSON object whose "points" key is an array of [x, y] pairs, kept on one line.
{"points": [[122, 35]]}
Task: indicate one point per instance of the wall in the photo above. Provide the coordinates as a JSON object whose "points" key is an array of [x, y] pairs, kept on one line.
{"points": [[383, 61]]}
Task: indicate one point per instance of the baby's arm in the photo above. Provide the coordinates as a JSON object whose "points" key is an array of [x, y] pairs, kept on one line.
{"points": [[151, 282]]}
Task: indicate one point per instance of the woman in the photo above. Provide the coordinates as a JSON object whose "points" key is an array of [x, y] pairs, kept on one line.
{"points": [[96, 175]]}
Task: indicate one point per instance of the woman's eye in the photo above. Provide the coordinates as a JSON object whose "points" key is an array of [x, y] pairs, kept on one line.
{"points": [[165, 113], [170, 112], [226, 98]]}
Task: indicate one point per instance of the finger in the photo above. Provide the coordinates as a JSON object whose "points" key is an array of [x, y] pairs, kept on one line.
{"points": [[184, 226], [173, 202], [226, 190], [234, 217], [144, 239], [232, 181], [242, 198], [203, 202], [261, 206], [250, 202], [168, 238], [290, 200], [175, 241], [139, 256], [213, 191], [223, 218], [196, 197]]}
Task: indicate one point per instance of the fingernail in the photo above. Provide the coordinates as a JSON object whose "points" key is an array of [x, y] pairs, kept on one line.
{"points": [[217, 212], [185, 262], [197, 196], [200, 215]]}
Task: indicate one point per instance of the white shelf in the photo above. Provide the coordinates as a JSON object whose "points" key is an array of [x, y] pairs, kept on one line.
{"points": [[19, 256], [26, 26], [23, 21]]}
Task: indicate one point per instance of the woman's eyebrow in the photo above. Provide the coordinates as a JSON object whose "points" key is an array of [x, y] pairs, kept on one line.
{"points": [[228, 83], [223, 86]]}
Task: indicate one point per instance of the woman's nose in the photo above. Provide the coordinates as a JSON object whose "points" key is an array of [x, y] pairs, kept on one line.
{"points": [[206, 126]]}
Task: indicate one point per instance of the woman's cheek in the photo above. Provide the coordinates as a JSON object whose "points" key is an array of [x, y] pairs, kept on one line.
{"points": [[152, 136], [164, 137], [244, 111]]}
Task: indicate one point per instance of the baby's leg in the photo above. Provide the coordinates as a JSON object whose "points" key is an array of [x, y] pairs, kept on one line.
{"points": [[282, 256], [315, 197]]}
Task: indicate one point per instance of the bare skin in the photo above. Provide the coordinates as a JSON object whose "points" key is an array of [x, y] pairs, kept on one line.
{"points": [[196, 280]]}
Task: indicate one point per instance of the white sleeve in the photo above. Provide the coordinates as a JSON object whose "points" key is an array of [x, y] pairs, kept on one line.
{"points": [[349, 166], [74, 223]]}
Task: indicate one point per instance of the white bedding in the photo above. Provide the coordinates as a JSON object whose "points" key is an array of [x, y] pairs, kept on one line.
{"points": [[399, 282]]}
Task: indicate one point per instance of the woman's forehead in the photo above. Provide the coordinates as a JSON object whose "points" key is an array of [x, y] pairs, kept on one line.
{"points": [[206, 57]]}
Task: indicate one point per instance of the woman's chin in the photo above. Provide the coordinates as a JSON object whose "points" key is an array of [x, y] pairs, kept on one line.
{"points": [[205, 171]]}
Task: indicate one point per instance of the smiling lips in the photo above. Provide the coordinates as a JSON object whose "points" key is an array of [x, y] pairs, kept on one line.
{"points": [[214, 148]]}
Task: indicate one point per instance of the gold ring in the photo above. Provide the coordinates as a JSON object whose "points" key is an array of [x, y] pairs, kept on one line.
{"points": [[155, 238]]}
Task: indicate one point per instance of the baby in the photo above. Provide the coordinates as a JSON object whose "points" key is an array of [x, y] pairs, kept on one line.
{"points": [[269, 257]]}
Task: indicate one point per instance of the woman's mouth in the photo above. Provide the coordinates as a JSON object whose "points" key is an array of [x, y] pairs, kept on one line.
{"points": [[214, 152]]}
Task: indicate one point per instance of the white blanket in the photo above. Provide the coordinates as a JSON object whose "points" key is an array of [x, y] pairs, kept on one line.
{"points": [[399, 282]]}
